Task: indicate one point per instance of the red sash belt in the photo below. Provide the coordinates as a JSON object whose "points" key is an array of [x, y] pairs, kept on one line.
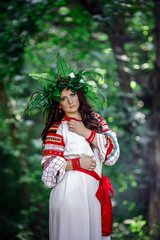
{"points": [[104, 195]]}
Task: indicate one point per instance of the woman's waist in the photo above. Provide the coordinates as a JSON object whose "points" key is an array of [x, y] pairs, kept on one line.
{"points": [[76, 179], [76, 155]]}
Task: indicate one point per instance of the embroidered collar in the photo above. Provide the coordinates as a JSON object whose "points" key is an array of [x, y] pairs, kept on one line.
{"points": [[66, 118]]}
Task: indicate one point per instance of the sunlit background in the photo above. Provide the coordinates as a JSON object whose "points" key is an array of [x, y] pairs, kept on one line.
{"points": [[120, 39]]}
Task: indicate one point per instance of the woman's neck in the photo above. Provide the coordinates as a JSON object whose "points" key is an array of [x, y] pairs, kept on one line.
{"points": [[76, 115]]}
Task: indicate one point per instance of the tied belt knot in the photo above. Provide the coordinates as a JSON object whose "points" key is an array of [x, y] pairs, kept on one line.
{"points": [[105, 189], [104, 195]]}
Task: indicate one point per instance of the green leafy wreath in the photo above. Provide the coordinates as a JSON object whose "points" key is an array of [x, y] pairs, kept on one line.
{"points": [[64, 78]]}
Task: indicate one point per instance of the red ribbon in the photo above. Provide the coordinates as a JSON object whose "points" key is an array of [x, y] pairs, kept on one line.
{"points": [[104, 195]]}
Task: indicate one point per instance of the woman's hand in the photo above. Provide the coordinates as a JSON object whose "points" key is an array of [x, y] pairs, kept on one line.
{"points": [[88, 163], [79, 128]]}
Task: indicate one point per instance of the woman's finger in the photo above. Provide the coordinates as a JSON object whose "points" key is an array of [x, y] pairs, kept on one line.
{"points": [[70, 125], [93, 161], [94, 165]]}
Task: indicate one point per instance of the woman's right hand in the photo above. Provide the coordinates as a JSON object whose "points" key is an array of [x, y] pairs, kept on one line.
{"points": [[88, 163]]}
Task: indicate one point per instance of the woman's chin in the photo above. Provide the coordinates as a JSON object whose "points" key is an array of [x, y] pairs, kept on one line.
{"points": [[71, 111]]}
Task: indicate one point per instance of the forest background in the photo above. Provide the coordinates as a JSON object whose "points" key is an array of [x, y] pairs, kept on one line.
{"points": [[121, 40]]}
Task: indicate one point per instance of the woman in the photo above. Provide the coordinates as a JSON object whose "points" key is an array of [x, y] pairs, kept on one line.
{"points": [[76, 142]]}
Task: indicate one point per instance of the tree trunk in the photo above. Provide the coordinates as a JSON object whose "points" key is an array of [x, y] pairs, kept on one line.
{"points": [[36, 225], [154, 145], [117, 40]]}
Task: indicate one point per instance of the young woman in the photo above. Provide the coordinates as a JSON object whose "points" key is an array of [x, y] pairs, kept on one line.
{"points": [[76, 143]]}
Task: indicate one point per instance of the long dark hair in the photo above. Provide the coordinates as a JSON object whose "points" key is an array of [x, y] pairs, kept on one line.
{"points": [[85, 110]]}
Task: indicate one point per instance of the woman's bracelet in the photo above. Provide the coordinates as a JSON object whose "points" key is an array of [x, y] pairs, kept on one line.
{"points": [[75, 163], [91, 137]]}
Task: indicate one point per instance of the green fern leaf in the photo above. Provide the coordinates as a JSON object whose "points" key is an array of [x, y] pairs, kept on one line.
{"points": [[31, 99], [45, 78], [62, 66], [56, 93], [91, 73], [94, 99], [38, 101]]}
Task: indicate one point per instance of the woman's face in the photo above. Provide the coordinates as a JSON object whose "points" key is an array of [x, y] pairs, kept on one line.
{"points": [[69, 102]]}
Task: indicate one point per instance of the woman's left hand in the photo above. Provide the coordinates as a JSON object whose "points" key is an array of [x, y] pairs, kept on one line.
{"points": [[79, 128]]}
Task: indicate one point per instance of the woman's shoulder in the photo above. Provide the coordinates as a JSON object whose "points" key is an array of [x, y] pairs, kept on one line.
{"points": [[54, 128], [54, 135]]}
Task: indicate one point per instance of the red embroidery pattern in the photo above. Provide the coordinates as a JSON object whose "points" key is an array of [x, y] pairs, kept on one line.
{"points": [[52, 152], [66, 118], [53, 162], [112, 147], [54, 138]]}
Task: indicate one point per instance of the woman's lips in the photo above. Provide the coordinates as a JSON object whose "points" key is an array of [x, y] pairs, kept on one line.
{"points": [[72, 106]]}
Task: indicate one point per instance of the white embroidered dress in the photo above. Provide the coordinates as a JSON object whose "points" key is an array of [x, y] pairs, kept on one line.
{"points": [[74, 210]]}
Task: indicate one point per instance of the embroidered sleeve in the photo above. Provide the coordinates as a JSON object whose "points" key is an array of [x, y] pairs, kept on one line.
{"points": [[107, 143], [53, 162]]}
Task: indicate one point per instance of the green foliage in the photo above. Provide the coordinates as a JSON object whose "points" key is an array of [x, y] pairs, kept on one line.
{"points": [[91, 74], [31, 35], [55, 83], [62, 67], [37, 101], [134, 229], [93, 98], [45, 79]]}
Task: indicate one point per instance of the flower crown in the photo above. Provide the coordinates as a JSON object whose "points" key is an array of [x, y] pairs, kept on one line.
{"points": [[64, 78]]}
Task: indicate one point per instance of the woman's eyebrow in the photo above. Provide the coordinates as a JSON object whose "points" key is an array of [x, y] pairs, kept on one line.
{"points": [[67, 95], [63, 96]]}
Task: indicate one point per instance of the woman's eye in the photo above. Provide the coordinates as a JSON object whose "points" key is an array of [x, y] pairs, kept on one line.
{"points": [[62, 99], [73, 94]]}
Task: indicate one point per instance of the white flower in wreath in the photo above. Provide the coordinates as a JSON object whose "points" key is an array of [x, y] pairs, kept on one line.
{"points": [[81, 81], [72, 75]]}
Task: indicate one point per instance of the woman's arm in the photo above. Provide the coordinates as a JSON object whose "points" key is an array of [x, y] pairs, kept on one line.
{"points": [[107, 142], [53, 162], [87, 163]]}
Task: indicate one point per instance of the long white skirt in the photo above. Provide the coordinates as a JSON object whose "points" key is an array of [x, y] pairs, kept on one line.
{"points": [[74, 210]]}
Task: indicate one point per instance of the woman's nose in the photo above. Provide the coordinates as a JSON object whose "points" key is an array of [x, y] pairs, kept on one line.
{"points": [[69, 100]]}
